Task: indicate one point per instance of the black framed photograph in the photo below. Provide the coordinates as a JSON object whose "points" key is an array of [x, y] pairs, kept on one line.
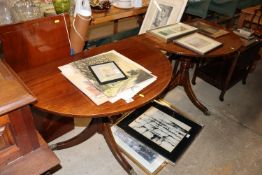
{"points": [[107, 72], [162, 129]]}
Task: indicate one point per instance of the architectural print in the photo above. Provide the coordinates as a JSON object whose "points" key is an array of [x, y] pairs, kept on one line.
{"points": [[160, 128]]}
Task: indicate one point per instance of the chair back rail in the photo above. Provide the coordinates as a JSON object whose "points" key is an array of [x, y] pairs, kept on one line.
{"points": [[36, 42]]}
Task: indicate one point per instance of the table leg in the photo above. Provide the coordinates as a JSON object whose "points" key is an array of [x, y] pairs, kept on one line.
{"points": [[88, 132], [182, 79], [107, 133], [102, 126]]}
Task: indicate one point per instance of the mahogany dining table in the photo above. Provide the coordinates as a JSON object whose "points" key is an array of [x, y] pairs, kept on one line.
{"points": [[55, 94]]}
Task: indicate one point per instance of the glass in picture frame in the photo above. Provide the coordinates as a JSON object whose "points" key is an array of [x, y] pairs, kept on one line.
{"points": [[162, 129], [107, 72], [198, 43], [170, 32], [162, 12]]}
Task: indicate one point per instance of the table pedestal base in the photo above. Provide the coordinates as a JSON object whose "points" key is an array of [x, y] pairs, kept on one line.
{"points": [[101, 126], [181, 78]]}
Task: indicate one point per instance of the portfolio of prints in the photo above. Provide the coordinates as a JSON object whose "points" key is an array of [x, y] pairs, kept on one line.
{"points": [[79, 73]]}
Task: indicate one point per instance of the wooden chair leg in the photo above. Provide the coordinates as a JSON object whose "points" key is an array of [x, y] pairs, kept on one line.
{"points": [[229, 76], [221, 96]]}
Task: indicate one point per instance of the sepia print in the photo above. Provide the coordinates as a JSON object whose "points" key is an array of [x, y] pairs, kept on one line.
{"points": [[169, 32], [172, 30], [198, 43]]}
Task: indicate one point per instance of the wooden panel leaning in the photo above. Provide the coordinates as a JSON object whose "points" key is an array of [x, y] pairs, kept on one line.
{"points": [[33, 43], [22, 150]]}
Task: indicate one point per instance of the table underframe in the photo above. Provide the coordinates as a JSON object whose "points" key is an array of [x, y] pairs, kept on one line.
{"points": [[102, 126]]}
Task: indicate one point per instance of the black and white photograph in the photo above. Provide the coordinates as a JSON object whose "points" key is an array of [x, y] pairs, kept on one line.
{"points": [[162, 16], [147, 159], [161, 13], [160, 128]]}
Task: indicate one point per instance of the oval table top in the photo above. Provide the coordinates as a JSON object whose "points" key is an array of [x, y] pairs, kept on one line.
{"points": [[56, 94], [230, 44]]}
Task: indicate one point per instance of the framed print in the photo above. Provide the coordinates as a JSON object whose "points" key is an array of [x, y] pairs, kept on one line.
{"points": [[198, 43], [161, 13], [209, 30], [144, 157], [107, 72], [162, 129], [169, 32]]}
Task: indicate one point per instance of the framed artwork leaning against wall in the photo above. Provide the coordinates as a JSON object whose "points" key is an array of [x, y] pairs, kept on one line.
{"points": [[161, 13]]}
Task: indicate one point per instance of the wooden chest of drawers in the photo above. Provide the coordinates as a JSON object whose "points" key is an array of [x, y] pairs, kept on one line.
{"points": [[22, 150]]}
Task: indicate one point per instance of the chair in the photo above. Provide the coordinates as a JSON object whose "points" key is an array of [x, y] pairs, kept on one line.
{"points": [[198, 8], [255, 22], [224, 7], [224, 73], [33, 43], [242, 4]]}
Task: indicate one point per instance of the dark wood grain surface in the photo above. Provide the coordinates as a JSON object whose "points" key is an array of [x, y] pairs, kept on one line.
{"points": [[57, 95]]}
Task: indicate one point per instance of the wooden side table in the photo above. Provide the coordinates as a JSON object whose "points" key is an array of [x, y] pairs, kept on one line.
{"points": [[22, 150], [231, 43]]}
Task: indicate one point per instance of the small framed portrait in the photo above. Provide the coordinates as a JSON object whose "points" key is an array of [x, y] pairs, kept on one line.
{"points": [[107, 72], [161, 13]]}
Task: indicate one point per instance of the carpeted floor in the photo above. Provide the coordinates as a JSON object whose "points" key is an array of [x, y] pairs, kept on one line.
{"points": [[229, 144]]}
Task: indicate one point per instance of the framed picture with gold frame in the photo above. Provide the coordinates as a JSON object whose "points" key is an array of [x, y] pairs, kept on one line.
{"points": [[161, 13]]}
